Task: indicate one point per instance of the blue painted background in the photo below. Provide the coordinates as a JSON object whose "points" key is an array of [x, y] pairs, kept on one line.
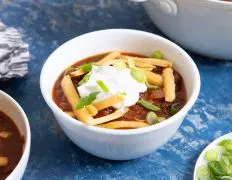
{"points": [[46, 25]]}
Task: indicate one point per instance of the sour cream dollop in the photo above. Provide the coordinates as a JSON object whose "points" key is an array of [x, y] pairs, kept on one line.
{"points": [[117, 81]]}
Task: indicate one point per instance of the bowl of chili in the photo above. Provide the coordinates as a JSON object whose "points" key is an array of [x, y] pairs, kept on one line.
{"points": [[101, 139], [15, 139]]}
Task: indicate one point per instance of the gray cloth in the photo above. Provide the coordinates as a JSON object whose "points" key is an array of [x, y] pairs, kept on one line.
{"points": [[14, 54]]}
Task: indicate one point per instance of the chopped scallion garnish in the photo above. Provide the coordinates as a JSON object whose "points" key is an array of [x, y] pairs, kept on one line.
{"points": [[86, 67], [103, 86], [219, 163], [228, 147], [151, 118], [84, 80], [119, 65], [211, 155], [152, 87], [174, 108], [225, 158], [159, 119], [138, 75], [224, 142], [148, 105], [216, 168], [203, 171], [157, 55], [86, 100]]}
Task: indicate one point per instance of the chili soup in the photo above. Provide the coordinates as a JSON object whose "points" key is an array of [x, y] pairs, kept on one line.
{"points": [[119, 90], [11, 145]]}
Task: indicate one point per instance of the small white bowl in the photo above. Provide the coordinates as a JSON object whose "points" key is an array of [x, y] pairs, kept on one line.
{"points": [[118, 144], [10, 107], [213, 145]]}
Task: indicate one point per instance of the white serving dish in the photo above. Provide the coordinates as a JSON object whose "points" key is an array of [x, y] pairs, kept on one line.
{"points": [[10, 107], [118, 144], [213, 145], [203, 26]]}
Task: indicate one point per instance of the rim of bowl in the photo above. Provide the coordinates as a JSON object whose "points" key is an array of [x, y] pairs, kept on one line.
{"points": [[213, 143], [192, 99], [220, 2], [213, 1], [28, 134], [216, 3]]}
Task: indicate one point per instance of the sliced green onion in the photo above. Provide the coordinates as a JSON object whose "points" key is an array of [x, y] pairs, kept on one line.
{"points": [[148, 105], [216, 168], [224, 142], [228, 147], [225, 159], [159, 119], [119, 65], [219, 165], [226, 177], [103, 86], [138, 75], [86, 100], [211, 155], [174, 108], [152, 87], [69, 70], [157, 55], [203, 171], [84, 80], [230, 157], [86, 67], [228, 170], [151, 118]]}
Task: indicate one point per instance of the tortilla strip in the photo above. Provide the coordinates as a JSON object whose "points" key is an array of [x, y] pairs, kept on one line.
{"points": [[3, 161], [108, 102], [110, 56], [154, 78], [152, 61], [115, 115], [92, 110], [123, 125], [138, 64], [76, 73], [145, 69], [131, 62], [169, 85], [72, 97], [144, 65]]}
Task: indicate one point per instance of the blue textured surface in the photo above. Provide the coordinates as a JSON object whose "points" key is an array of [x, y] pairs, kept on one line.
{"points": [[46, 25]]}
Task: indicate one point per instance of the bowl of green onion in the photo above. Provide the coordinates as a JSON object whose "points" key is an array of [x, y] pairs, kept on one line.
{"points": [[215, 161]]}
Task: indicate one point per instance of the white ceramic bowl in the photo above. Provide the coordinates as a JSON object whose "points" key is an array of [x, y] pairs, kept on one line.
{"points": [[10, 107], [203, 26], [118, 144], [213, 145]]}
